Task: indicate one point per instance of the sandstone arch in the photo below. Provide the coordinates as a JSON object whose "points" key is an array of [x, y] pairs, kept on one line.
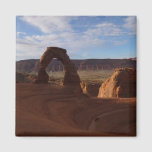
{"points": [[71, 77]]}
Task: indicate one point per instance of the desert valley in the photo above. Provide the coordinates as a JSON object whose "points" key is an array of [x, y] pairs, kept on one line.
{"points": [[63, 97]]}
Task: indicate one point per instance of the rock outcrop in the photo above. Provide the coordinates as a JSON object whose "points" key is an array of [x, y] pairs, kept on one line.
{"points": [[24, 77], [121, 84], [70, 78], [90, 89]]}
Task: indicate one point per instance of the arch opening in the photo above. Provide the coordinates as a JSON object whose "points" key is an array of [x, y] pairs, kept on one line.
{"points": [[55, 70]]}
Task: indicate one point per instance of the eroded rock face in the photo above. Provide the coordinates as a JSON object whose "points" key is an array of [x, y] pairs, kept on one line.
{"points": [[121, 84], [90, 89], [70, 78]]}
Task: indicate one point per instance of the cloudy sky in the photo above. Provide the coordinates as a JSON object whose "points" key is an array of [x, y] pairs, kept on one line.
{"points": [[83, 37]]}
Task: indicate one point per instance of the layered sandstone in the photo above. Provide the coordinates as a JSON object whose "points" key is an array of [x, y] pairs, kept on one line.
{"points": [[32, 65], [121, 84]]}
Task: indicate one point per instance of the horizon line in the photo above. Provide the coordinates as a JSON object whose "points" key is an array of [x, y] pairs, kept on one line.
{"points": [[84, 59]]}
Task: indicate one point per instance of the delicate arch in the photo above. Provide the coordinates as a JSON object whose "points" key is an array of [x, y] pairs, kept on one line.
{"points": [[70, 78]]}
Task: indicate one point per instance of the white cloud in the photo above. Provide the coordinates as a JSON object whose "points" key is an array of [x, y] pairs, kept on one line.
{"points": [[70, 41], [27, 48], [120, 42], [58, 32], [48, 24], [105, 29], [130, 24], [20, 33]]}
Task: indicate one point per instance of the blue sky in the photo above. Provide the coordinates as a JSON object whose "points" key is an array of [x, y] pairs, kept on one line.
{"points": [[82, 36]]}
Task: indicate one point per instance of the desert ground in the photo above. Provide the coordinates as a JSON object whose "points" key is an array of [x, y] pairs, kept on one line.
{"points": [[51, 110]]}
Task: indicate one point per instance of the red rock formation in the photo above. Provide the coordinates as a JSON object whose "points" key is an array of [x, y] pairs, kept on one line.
{"points": [[70, 78], [24, 77], [90, 89], [121, 84], [32, 65]]}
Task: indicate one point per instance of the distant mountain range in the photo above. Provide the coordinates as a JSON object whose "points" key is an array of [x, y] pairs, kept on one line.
{"points": [[32, 65]]}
